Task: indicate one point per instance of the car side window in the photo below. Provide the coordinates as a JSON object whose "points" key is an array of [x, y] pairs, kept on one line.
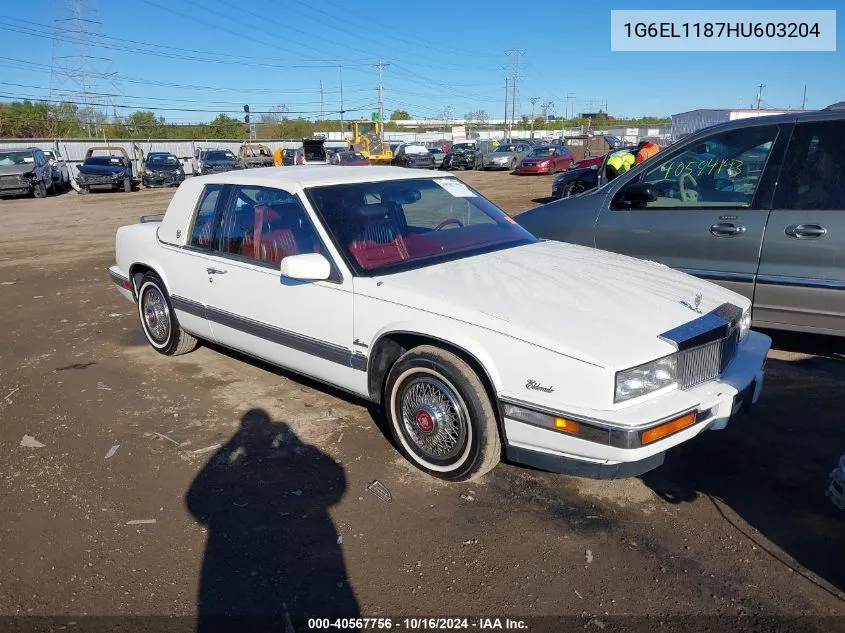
{"points": [[266, 225], [203, 222], [811, 177], [720, 171]]}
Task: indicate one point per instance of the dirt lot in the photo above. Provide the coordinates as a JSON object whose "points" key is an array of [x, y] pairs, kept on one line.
{"points": [[734, 524]]}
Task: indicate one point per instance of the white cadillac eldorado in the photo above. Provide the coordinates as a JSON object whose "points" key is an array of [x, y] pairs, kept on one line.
{"points": [[411, 290]]}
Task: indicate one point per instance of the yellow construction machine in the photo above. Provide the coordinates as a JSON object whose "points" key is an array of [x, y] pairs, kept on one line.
{"points": [[366, 138]]}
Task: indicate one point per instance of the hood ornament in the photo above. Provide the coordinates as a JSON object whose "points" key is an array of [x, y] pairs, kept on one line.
{"points": [[694, 304]]}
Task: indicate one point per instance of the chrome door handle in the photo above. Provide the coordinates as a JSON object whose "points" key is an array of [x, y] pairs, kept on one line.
{"points": [[805, 231], [727, 229], [214, 271]]}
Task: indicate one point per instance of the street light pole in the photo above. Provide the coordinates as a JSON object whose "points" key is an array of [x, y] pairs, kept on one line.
{"points": [[533, 101]]}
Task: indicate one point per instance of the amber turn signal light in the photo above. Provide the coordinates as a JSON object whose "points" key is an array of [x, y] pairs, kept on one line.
{"points": [[568, 426], [672, 426]]}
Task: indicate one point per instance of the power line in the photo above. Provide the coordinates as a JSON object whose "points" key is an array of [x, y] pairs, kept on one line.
{"points": [[160, 109]]}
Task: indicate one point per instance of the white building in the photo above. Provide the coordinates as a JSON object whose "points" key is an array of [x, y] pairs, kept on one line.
{"points": [[688, 122]]}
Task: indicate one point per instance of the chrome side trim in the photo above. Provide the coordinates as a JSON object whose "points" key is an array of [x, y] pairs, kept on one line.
{"points": [[776, 280], [321, 349], [718, 275], [118, 278]]}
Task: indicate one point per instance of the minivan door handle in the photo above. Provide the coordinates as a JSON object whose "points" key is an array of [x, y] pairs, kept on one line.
{"points": [[727, 229], [805, 231]]}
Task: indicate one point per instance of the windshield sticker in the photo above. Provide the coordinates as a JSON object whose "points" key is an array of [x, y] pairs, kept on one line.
{"points": [[456, 188]]}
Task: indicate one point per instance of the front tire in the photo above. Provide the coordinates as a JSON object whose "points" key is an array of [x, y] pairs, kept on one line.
{"points": [[513, 164], [39, 190], [161, 327], [441, 416]]}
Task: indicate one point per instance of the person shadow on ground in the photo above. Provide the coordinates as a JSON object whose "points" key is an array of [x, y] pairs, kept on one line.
{"points": [[273, 558]]}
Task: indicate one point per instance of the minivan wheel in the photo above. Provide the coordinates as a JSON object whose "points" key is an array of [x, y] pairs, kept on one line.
{"points": [[440, 415]]}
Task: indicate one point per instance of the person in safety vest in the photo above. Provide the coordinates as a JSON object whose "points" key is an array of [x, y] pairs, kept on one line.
{"points": [[278, 156], [645, 150], [619, 162]]}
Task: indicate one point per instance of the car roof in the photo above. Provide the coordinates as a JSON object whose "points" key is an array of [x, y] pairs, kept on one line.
{"points": [[301, 176]]}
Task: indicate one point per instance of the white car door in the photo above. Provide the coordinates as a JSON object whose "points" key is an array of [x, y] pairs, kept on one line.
{"points": [[305, 326], [186, 267]]}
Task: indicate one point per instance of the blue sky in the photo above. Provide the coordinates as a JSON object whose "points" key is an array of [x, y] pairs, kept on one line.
{"points": [[269, 52]]}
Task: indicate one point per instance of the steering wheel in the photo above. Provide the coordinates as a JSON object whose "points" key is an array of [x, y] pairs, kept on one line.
{"points": [[688, 195], [448, 222]]}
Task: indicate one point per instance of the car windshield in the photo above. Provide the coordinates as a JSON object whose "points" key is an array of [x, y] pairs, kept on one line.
{"points": [[219, 155], [385, 226], [48, 154], [350, 157], [543, 151], [15, 158], [459, 146], [104, 160], [162, 160], [506, 148]]}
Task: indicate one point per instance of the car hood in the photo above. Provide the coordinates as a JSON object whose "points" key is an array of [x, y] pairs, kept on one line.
{"points": [[494, 155], [101, 169], [14, 170], [570, 174], [600, 307], [219, 163]]}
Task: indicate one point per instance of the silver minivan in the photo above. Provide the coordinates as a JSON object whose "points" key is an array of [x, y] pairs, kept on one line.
{"points": [[756, 205]]}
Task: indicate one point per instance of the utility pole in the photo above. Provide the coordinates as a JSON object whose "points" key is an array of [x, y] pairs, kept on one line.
{"points": [[322, 112], [533, 101], [340, 68], [381, 66], [514, 54], [506, 103], [760, 94], [804, 100], [569, 98]]}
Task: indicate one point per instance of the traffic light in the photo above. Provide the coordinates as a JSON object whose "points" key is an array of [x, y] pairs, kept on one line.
{"points": [[246, 118]]}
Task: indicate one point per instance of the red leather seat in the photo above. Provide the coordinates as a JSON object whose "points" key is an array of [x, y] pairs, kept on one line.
{"points": [[276, 245], [379, 240]]}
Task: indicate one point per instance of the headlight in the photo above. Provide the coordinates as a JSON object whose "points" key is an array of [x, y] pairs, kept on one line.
{"points": [[745, 323], [644, 379]]}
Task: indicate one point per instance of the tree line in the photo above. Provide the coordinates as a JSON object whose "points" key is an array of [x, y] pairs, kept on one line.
{"points": [[28, 119]]}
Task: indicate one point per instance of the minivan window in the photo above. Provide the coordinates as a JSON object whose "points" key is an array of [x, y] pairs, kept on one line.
{"points": [[722, 170], [811, 177]]}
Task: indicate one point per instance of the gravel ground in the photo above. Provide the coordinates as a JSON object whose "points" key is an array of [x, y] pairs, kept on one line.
{"points": [[238, 485]]}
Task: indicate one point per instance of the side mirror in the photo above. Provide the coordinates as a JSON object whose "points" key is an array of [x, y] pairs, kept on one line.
{"points": [[639, 193], [306, 267]]}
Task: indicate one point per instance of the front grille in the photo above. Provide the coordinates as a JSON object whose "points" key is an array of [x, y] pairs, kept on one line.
{"points": [[10, 181], [706, 362], [98, 179]]}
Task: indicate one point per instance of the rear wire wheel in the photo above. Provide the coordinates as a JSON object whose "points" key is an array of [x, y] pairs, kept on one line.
{"points": [[161, 327]]}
